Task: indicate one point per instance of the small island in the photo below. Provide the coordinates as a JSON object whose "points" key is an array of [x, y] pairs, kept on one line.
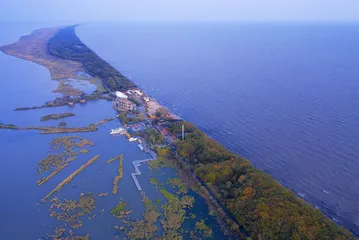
{"points": [[56, 116]]}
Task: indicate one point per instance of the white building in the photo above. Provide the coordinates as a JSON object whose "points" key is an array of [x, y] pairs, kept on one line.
{"points": [[121, 103], [120, 95], [138, 92]]}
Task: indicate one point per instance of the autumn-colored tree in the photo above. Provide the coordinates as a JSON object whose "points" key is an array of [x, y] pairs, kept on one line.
{"points": [[249, 192], [262, 206]]}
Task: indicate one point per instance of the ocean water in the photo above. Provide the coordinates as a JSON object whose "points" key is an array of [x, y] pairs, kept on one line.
{"points": [[283, 95], [23, 216]]}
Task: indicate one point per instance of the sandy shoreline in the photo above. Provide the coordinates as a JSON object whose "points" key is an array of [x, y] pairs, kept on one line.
{"points": [[34, 48]]}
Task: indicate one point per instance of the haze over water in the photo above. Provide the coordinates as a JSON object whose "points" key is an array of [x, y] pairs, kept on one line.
{"points": [[284, 96]]}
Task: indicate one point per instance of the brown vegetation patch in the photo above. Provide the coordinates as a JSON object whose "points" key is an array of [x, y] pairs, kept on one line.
{"points": [[70, 177], [120, 172], [70, 211]]}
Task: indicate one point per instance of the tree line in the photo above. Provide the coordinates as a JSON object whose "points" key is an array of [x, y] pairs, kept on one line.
{"points": [[262, 206], [65, 44]]}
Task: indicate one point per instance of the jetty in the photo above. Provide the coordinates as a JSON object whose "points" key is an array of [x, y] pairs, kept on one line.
{"points": [[137, 163]]}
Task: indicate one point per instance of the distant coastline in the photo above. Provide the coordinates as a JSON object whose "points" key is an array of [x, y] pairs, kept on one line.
{"points": [[264, 198]]}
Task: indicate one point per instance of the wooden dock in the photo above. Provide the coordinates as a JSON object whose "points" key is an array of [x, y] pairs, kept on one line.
{"points": [[136, 164]]}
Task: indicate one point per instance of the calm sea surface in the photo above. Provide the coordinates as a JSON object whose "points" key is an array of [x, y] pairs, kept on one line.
{"points": [[284, 96], [22, 215]]}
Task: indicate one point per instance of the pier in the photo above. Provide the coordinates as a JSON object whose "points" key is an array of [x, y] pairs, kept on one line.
{"points": [[137, 163]]}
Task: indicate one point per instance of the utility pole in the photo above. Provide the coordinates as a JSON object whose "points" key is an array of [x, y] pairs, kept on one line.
{"points": [[182, 132]]}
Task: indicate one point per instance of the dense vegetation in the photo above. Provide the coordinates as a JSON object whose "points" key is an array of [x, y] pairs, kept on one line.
{"points": [[65, 44], [152, 136], [127, 118], [264, 208], [56, 116]]}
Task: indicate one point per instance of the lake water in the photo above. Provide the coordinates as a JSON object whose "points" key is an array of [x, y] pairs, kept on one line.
{"points": [[23, 216], [284, 96]]}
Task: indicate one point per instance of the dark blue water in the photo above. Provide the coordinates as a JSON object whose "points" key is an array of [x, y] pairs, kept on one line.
{"points": [[23, 216], [284, 96]]}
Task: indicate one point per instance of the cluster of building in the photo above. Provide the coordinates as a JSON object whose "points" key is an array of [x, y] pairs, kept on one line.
{"points": [[135, 92], [122, 103]]}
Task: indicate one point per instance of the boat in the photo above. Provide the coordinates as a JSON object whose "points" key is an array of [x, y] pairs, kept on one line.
{"points": [[128, 135], [139, 140], [116, 130], [140, 146], [132, 139]]}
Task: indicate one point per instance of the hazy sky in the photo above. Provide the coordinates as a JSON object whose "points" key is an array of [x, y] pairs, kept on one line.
{"points": [[179, 10]]}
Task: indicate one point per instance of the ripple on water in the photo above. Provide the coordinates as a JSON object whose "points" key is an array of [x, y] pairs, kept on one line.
{"points": [[295, 100]]}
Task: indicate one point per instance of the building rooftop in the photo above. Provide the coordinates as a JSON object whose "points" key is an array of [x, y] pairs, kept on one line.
{"points": [[138, 92], [120, 95]]}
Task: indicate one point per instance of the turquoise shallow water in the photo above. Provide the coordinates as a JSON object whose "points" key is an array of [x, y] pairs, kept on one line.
{"points": [[284, 95], [23, 216]]}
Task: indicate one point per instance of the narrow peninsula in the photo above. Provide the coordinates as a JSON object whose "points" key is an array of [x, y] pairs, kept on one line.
{"points": [[260, 205]]}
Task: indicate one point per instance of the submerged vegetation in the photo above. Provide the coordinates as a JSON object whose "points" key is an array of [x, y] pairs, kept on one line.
{"points": [[70, 211], [120, 207], [154, 224], [176, 183], [145, 228], [70, 177], [66, 45], [68, 143], [56, 162], [203, 229], [61, 234]]}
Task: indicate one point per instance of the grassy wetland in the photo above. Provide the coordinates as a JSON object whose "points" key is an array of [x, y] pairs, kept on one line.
{"points": [[70, 211], [55, 130], [119, 174], [174, 204], [70, 177], [76, 197], [61, 152], [56, 116], [163, 219]]}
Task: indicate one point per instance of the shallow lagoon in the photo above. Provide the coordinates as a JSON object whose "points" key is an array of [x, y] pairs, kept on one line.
{"points": [[21, 205]]}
